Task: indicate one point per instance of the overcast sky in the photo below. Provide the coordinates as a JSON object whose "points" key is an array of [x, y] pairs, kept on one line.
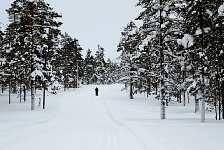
{"points": [[92, 22]]}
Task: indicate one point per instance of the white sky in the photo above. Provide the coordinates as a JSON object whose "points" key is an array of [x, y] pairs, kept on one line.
{"points": [[92, 22]]}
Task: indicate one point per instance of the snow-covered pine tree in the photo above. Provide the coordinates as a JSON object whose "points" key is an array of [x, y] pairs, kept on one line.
{"points": [[2, 61], [111, 67], [88, 69], [159, 31], [199, 24], [100, 65], [26, 38], [14, 48], [215, 58], [128, 46], [48, 28], [117, 75], [69, 59]]}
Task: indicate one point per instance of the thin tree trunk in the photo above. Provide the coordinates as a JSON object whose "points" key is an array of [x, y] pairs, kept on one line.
{"points": [[184, 91], [219, 99], [196, 104], [20, 93], [184, 99], [215, 103], [131, 88], [24, 93], [180, 95], [156, 88], [32, 94], [222, 97], [14, 87], [64, 85], [188, 97], [162, 91], [44, 93], [9, 92], [203, 99], [203, 110], [149, 87]]}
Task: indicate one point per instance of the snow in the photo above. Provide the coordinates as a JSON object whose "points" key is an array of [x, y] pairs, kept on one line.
{"points": [[164, 14], [173, 15], [166, 8], [35, 73], [77, 119], [221, 10], [209, 12], [198, 31], [187, 41]]}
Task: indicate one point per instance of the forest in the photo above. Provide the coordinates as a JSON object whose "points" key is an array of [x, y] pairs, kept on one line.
{"points": [[176, 53]]}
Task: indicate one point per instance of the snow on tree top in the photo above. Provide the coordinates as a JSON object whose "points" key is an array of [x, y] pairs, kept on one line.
{"points": [[36, 73], [221, 10], [187, 41]]}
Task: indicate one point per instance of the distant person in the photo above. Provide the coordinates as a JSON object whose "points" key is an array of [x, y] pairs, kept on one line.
{"points": [[96, 91]]}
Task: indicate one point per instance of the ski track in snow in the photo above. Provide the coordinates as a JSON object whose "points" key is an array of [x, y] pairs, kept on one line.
{"points": [[79, 120], [110, 140], [124, 127], [12, 135], [80, 111]]}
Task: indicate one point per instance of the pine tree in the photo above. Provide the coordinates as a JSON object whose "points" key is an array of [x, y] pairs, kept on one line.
{"points": [[89, 67], [128, 47], [111, 67], [199, 24], [158, 34], [2, 61], [69, 59], [215, 58], [100, 64], [30, 35]]}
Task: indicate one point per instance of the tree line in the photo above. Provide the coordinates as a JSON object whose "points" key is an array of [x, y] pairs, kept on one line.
{"points": [[177, 51], [35, 53]]}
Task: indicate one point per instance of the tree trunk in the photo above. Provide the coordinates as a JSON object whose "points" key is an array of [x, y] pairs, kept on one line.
{"points": [[9, 92], [126, 86], [149, 86], [156, 88], [196, 104], [215, 103], [131, 89], [180, 95], [20, 93], [203, 98], [188, 97], [203, 110], [32, 94], [44, 93], [65, 85], [184, 99], [14, 88], [163, 110], [222, 97], [162, 91], [219, 100], [24, 93]]}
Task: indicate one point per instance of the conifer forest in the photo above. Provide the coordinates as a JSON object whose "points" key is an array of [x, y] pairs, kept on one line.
{"points": [[174, 50]]}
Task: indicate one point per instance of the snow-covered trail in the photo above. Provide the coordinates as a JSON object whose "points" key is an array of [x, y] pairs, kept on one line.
{"points": [[82, 122], [79, 120]]}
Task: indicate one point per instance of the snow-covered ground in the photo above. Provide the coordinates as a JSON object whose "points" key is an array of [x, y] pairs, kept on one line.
{"points": [[78, 120]]}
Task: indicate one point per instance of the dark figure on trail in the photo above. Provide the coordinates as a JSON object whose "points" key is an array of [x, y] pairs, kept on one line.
{"points": [[96, 91]]}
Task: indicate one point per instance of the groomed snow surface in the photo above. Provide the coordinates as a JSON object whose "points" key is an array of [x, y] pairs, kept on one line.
{"points": [[78, 120]]}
